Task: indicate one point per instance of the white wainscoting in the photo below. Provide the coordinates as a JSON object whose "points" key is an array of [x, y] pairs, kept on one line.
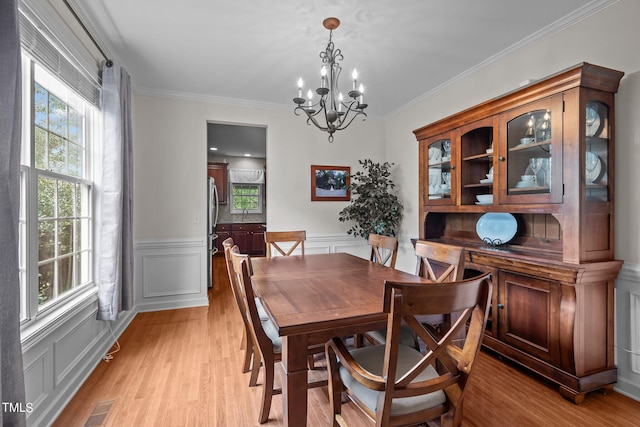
{"points": [[170, 274], [60, 357], [628, 331]]}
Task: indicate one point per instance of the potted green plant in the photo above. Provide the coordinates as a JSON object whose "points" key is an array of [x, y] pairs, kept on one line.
{"points": [[373, 208]]}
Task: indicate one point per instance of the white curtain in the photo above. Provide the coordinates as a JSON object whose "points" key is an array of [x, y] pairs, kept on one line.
{"points": [[246, 176], [12, 390], [115, 260]]}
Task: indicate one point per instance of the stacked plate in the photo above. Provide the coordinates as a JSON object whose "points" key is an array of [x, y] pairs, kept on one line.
{"points": [[484, 199], [526, 181]]}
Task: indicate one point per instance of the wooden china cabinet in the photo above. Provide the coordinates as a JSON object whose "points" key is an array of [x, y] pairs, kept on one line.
{"points": [[540, 159]]}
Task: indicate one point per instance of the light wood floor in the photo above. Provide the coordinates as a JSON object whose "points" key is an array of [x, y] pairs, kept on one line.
{"points": [[182, 368]]}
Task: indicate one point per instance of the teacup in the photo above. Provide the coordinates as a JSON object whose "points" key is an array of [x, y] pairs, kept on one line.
{"points": [[527, 178], [527, 140]]}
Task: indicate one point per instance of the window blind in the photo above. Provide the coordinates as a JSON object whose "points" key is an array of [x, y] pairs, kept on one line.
{"points": [[246, 176], [45, 52]]}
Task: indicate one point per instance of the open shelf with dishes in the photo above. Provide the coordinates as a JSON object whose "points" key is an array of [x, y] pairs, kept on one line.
{"points": [[542, 158], [476, 169]]}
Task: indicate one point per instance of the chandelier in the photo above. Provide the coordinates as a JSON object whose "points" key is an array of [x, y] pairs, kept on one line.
{"points": [[330, 112]]}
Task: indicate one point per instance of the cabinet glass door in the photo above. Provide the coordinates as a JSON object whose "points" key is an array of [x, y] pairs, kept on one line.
{"points": [[439, 171], [596, 127], [533, 153]]}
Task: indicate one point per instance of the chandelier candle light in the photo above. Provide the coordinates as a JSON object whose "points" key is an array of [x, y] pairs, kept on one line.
{"points": [[337, 113]]}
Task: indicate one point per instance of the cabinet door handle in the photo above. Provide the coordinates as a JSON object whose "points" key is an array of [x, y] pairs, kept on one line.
{"points": [[501, 306], [502, 159]]}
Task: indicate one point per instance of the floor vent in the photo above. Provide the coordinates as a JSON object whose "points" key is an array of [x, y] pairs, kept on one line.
{"points": [[99, 414]]}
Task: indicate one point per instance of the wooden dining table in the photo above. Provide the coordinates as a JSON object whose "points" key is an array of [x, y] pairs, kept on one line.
{"points": [[312, 298]]}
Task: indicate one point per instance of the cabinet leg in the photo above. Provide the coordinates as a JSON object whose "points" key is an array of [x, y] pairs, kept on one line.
{"points": [[571, 395], [608, 389]]}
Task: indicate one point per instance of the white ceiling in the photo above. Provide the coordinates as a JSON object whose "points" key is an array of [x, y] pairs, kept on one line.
{"points": [[253, 51]]}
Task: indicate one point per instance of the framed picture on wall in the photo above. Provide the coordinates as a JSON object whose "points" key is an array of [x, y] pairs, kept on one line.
{"points": [[330, 183]]}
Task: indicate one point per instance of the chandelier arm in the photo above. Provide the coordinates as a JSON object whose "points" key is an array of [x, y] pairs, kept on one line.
{"points": [[306, 108], [357, 113], [315, 122], [350, 108], [311, 119]]}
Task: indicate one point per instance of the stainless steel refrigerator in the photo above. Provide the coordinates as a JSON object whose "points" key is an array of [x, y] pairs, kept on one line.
{"points": [[212, 220]]}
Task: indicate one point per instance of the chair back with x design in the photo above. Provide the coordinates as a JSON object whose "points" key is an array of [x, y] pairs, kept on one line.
{"points": [[275, 238], [439, 262], [384, 249]]}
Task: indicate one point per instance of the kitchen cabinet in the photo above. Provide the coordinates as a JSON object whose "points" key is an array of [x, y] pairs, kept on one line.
{"points": [[224, 232], [249, 238], [544, 154], [218, 171]]}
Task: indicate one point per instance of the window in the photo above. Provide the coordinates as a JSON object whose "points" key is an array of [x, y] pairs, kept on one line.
{"points": [[246, 198], [56, 219]]}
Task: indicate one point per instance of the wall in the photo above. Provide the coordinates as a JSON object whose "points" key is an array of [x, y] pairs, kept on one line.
{"points": [[608, 38]]}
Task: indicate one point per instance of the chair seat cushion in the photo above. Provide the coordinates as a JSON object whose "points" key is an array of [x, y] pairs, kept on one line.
{"points": [[262, 313], [407, 336], [271, 331], [371, 358]]}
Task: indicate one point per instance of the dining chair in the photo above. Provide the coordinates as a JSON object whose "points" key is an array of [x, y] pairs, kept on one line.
{"points": [[276, 238], [384, 249], [247, 341], [247, 344], [268, 344], [439, 263], [397, 385]]}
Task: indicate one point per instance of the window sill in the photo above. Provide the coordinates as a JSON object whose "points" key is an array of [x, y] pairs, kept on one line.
{"points": [[49, 320]]}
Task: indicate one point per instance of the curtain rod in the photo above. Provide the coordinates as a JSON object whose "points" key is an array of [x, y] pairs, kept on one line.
{"points": [[109, 62]]}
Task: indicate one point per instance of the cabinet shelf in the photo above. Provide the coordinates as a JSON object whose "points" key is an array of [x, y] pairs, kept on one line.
{"points": [[539, 189], [527, 147], [440, 164], [479, 185], [593, 185], [487, 157]]}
